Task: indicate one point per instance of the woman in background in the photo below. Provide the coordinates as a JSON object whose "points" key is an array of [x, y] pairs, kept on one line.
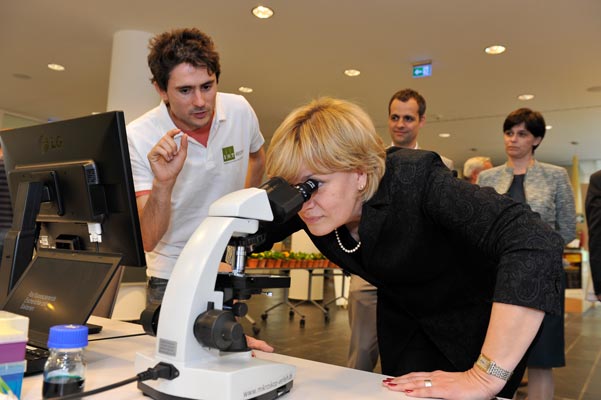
{"points": [[546, 189]]}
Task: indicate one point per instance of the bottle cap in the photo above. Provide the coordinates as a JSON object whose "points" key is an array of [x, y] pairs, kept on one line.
{"points": [[68, 336]]}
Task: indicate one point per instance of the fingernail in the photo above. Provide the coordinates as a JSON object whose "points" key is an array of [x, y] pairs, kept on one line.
{"points": [[408, 391], [391, 384], [387, 380]]}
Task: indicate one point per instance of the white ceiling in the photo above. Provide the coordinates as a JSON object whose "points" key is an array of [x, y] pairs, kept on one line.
{"points": [[554, 52]]}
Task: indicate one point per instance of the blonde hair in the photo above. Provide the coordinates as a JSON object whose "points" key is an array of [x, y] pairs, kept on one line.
{"points": [[326, 136]]}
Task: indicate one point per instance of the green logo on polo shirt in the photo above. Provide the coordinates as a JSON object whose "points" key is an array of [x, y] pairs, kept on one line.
{"points": [[228, 154]]}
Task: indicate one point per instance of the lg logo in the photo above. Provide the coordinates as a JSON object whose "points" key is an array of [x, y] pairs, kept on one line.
{"points": [[48, 143]]}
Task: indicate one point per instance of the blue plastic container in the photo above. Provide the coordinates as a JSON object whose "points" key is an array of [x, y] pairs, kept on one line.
{"points": [[11, 378]]}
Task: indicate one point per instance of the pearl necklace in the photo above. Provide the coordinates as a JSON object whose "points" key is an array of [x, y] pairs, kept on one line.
{"points": [[354, 249]]}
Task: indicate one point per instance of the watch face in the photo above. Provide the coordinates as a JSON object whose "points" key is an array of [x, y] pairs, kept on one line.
{"points": [[488, 366], [484, 363]]}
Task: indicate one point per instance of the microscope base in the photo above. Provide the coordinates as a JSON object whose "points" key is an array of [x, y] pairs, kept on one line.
{"points": [[230, 377]]}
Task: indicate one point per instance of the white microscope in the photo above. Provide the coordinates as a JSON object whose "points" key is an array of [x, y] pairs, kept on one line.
{"points": [[197, 332]]}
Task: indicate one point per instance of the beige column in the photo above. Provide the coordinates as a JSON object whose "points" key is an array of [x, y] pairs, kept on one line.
{"points": [[130, 89], [575, 177]]}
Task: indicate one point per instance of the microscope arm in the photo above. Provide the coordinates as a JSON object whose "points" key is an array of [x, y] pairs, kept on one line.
{"points": [[191, 287]]}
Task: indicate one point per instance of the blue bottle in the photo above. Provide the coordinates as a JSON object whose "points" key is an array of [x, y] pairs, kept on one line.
{"points": [[64, 371]]}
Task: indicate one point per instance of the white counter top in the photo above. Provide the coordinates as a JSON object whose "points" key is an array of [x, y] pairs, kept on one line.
{"points": [[112, 360]]}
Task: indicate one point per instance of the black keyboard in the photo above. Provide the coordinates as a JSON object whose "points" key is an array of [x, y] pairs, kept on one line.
{"points": [[36, 358]]}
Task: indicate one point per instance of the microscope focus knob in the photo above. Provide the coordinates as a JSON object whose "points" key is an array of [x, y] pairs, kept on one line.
{"points": [[240, 309], [149, 318], [219, 329]]}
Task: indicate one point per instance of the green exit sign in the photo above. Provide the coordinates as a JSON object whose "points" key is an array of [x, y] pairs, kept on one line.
{"points": [[422, 70]]}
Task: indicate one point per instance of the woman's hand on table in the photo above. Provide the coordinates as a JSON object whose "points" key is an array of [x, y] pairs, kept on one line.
{"points": [[472, 384], [257, 344]]}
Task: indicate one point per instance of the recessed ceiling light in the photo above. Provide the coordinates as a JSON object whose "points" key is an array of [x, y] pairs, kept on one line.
{"points": [[56, 67], [526, 97], [262, 12], [245, 89], [495, 49], [444, 135], [352, 72], [549, 127]]}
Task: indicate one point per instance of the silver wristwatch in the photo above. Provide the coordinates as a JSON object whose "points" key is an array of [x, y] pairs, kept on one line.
{"points": [[491, 368]]}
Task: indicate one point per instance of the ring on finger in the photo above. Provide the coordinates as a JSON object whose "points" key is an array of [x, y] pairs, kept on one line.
{"points": [[427, 383]]}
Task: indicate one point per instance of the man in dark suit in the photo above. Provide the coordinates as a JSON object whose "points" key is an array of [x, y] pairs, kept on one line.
{"points": [[593, 217], [406, 116]]}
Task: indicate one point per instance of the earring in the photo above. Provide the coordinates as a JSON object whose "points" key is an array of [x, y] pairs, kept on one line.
{"points": [[361, 187]]}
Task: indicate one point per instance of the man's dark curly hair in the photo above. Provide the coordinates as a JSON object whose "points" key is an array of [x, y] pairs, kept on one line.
{"points": [[188, 45]]}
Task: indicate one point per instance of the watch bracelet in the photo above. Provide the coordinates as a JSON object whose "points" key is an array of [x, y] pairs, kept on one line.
{"points": [[491, 368]]}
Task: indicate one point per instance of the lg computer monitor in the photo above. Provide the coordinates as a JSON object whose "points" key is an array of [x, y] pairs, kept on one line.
{"points": [[71, 188]]}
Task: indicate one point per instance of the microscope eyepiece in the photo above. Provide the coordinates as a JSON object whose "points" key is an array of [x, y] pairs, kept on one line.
{"points": [[287, 200], [307, 188]]}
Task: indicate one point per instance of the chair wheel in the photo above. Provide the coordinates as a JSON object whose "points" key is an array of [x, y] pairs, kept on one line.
{"points": [[256, 330], [302, 323], [264, 316], [291, 313]]}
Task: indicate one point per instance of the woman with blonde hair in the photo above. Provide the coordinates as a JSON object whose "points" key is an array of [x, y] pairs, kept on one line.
{"points": [[464, 275]]}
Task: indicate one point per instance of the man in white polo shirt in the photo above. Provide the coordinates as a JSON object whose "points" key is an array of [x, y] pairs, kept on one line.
{"points": [[192, 149]]}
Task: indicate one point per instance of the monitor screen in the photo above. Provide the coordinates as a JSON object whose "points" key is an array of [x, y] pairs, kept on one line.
{"points": [[60, 287], [80, 173]]}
